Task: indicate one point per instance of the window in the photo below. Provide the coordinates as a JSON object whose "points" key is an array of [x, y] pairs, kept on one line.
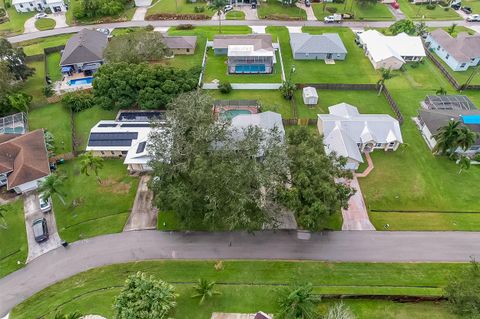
{"points": [[31, 4], [438, 48], [21, 5], [463, 65], [112, 152], [378, 145], [102, 152], [447, 56], [359, 145], [124, 152], [188, 50], [391, 144]]}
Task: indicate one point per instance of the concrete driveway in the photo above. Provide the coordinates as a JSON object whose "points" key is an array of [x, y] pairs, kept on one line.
{"points": [[356, 216], [309, 10], [32, 211], [143, 215], [29, 26], [60, 19], [140, 14]]}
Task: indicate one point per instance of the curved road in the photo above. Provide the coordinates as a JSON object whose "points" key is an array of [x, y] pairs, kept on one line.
{"points": [[171, 23], [344, 246]]}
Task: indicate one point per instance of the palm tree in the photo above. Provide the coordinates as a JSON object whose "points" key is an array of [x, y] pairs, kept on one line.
{"points": [[204, 289], [3, 212], [339, 311], [464, 163], [451, 29], [447, 137], [466, 138], [218, 6], [386, 75], [92, 163], [72, 315], [297, 302], [51, 186], [421, 28], [441, 91]]}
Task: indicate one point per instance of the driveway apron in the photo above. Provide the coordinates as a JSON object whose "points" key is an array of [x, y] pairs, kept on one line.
{"points": [[356, 216], [29, 26], [143, 215]]}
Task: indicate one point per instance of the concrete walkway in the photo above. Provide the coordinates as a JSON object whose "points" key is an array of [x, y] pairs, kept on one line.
{"points": [[369, 168], [83, 255], [143, 215], [356, 216], [29, 26], [308, 10], [140, 14]]}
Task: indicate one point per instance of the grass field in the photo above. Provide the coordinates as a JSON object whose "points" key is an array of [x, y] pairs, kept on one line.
{"points": [[375, 12], [45, 24], [56, 119], [356, 68], [53, 66], [35, 84], [87, 119], [126, 15], [13, 250], [179, 7], [474, 4], [420, 12], [16, 23], [275, 10], [36, 46], [417, 221], [248, 286], [91, 208], [235, 15]]}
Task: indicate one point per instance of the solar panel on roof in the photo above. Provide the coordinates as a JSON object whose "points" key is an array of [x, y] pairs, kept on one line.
{"points": [[141, 147], [141, 116], [135, 125], [110, 143], [107, 125], [112, 139]]}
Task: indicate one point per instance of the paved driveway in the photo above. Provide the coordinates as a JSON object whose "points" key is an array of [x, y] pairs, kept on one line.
{"points": [[32, 211], [139, 14], [309, 10], [143, 215], [356, 216], [29, 25], [60, 19]]}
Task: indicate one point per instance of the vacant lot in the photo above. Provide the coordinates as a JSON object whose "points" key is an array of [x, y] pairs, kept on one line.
{"points": [[94, 208], [367, 12], [13, 250], [275, 10], [35, 84], [420, 12], [179, 7], [248, 286]]}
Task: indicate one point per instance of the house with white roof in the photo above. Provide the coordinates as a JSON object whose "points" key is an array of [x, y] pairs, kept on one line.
{"points": [[39, 5], [348, 133], [391, 52], [458, 53]]}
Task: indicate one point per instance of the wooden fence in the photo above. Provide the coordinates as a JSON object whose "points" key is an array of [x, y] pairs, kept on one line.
{"points": [[443, 70]]}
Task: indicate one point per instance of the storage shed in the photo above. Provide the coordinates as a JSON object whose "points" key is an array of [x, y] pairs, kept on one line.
{"points": [[310, 96]]}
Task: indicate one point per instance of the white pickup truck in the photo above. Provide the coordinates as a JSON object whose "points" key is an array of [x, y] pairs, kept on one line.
{"points": [[334, 18]]}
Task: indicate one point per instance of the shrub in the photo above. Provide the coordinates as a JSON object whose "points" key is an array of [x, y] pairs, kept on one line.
{"points": [[331, 9], [338, 1], [149, 28], [8, 4], [48, 10], [78, 101], [477, 158], [463, 292], [415, 64], [430, 6], [3, 13], [48, 90], [184, 27], [199, 9], [446, 9], [225, 87]]}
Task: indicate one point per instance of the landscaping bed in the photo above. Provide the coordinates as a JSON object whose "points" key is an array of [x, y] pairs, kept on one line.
{"points": [[45, 24], [275, 10], [235, 15], [14, 248]]}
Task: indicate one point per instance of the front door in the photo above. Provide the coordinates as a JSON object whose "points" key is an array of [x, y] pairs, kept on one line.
{"points": [[329, 56]]}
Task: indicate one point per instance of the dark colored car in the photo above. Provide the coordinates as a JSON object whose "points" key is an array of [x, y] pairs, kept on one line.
{"points": [[254, 4], [456, 6], [40, 230], [307, 3], [467, 10]]}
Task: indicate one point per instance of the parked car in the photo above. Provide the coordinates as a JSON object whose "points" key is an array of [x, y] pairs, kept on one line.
{"points": [[333, 18], [103, 30], [40, 230], [254, 5], [3, 180], [456, 6], [395, 5], [45, 204], [307, 3], [467, 10], [40, 15], [473, 18], [228, 7]]}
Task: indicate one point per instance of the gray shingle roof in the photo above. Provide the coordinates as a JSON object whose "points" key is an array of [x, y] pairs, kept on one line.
{"points": [[85, 46], [259, 41], [322, 43], [180, 42], [462, 48]]}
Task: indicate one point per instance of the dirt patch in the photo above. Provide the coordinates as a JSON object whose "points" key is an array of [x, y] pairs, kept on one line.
{"points": [[114, 186], [174, 16], [281, 17]]}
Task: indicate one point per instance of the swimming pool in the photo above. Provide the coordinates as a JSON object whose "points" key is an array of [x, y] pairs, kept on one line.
{"points": [[250, 68], [230, 114], [81, 81]]}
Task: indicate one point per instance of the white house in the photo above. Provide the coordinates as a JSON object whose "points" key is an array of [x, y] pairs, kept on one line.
{"points": [[391, 52], [23, 160], [39, 5], [348, 133], [458, 53]]}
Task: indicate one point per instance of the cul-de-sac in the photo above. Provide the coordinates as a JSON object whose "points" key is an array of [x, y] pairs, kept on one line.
{"points": [[240, 159]]}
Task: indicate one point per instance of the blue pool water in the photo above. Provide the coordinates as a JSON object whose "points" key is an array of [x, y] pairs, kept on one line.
{"points": [[81, 81], [230, 114], [250, 68], [471, 119]]}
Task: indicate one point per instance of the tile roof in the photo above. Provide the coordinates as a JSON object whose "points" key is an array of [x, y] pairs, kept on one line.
{"points": [[321, 43], [24, 157], [85, 46], [462, 48]]}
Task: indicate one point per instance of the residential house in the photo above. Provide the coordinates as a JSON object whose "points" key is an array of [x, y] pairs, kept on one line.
{"points": [[391, 52], [437, 110], [253, 53], [327, 46], [348, 133], [39, 5], [458, 53], [181, 44], [266, 121], [23, 160], [125, 137], [84, 52]]}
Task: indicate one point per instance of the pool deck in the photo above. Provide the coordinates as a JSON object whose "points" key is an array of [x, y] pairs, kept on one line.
{"points": [[63, 86]]}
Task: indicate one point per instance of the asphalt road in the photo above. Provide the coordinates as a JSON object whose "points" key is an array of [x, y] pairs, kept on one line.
{"points": [[352, 246], [171, 23]]}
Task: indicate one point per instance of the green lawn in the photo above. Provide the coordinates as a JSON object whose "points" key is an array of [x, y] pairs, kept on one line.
{"points": [[35, 84], [356, 68], [235, 15], [420, 12], [91, 208], [53, 66], [126, 15], [217, 70], [178, 7], [16, 23], [87, 119], [270, 100], [474, 4], [248, 286], [13, 250], [275, 10], [375, 12], [45, 24], [36, 46], [366, 101], [56, 119]]}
